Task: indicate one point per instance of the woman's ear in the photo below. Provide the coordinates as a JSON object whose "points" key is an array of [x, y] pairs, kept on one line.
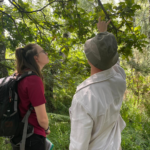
{"points": [[36, 58]]}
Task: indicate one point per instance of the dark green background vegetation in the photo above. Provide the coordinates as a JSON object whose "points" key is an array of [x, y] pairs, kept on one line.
{"points": [[61, 27]]}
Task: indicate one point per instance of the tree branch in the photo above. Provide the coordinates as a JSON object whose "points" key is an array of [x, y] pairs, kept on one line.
{"points": [[36, 24], [26, 24], [13, 21], [34, 10], [7, 59], [6, 66], [100, 4]]}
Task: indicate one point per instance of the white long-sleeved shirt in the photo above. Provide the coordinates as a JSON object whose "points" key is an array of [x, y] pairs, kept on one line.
{"points": [[96, 123]]}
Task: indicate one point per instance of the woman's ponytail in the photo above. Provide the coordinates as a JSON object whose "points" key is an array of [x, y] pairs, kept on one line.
{"points": [[25, 60], [19, 59]]}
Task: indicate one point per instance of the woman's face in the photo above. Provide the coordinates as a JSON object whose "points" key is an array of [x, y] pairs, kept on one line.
{"points": [[41, 57]]}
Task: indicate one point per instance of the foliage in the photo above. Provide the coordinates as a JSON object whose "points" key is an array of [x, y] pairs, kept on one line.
{"points": [[137, 131], [28, 23], [60, 131], [135, 108], [61, 28]]}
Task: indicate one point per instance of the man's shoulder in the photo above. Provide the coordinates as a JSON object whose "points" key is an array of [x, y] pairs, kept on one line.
{"points": [[90, 101], [99, 78], [87, 96]]}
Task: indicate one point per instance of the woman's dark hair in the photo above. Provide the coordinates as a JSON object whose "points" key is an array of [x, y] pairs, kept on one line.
{"points": [[25, 60]]}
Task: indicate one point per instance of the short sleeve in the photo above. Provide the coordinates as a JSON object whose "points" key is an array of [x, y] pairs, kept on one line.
{"points": [[35, 90]]}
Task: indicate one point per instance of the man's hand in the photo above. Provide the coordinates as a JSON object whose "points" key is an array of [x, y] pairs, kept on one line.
{"points": [[102, 25]]}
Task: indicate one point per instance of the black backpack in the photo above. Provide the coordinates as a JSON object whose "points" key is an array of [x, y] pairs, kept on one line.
{"points": [[11, 125]]}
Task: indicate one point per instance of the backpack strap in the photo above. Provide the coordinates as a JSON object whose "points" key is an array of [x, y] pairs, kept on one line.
{"points": [[28, 73], [18, 78], [25, 121], [15, 102]]}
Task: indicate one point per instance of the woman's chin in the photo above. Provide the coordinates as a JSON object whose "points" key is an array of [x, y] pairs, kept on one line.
{"points": [[47, 62]]}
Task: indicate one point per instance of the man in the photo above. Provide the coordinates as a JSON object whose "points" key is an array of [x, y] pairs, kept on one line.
{"points": [[96, 123]]}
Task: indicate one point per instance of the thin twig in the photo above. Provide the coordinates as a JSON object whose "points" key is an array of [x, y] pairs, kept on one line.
{"points": [[13, 21], [35, 10], [100, 4], [6, 66], [26, 24], [36, 24]]}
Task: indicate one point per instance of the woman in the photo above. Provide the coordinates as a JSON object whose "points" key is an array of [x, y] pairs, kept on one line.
{"points": [[31, 91]]}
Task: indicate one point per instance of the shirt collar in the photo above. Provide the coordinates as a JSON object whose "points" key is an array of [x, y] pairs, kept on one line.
{"points": [[98, 77]]}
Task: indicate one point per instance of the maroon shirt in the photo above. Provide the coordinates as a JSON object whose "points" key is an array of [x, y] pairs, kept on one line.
{"points": [[31, 91]]}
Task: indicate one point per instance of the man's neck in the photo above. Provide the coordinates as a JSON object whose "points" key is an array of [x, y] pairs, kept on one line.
{"points": [[95, 70]]}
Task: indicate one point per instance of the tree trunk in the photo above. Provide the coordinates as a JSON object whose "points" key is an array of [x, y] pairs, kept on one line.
{"points": [[149, 23], [49, 97], [3, 69]]}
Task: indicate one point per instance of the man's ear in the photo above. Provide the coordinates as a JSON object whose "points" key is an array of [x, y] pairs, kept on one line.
{"points": [[36, 58]]}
